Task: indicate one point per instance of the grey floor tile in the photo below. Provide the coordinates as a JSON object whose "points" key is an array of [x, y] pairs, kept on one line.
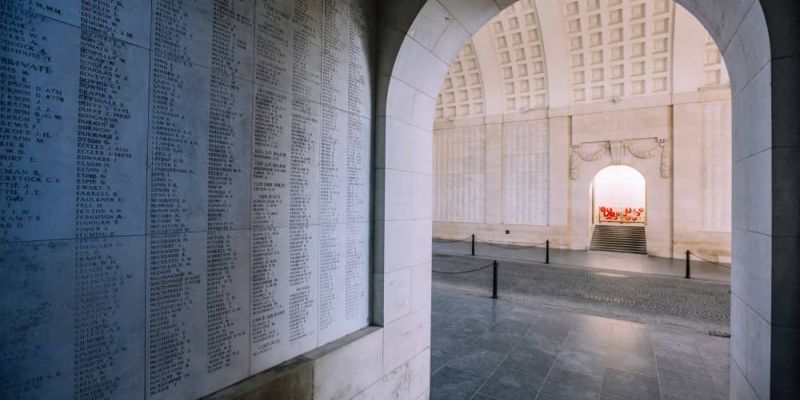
{"points": [[689, 363], [626, 385], [510, 383], [589, 362], [569, 385], [664, 342], [536, 363], [443, 350], [468, 328], [524, 314], [510, 326], [554, 322], [478, 361], [631, 362], [549, 343], [586, 340], [453, 384], [596, 326], [687, 386], [631, 339], [721, 377], [437, 362], [501, 342], [714, 347]]}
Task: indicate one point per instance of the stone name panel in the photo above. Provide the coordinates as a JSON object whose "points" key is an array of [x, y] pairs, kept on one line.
{"points": [[185, 191]]}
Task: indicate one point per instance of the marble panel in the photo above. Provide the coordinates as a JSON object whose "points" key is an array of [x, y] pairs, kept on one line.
{"points": [[39, 123], [186, 203], [131, 25], [77, 325], [182, 33], [179, 144], [232, 39]]}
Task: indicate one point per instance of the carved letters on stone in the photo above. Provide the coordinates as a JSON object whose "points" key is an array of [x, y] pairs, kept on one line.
{"points": [[185, 191]]}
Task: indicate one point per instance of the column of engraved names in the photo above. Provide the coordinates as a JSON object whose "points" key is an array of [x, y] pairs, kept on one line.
{"points": [[334, 57], [101, 208], [32, 102], [358, 153], [31, 113], [303, 172], [270, 184], [270, 178], [231, 30], [170, 274]]}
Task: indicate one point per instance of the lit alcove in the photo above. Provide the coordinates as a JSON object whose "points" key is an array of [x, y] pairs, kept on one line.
{"points": [[619, 196]]}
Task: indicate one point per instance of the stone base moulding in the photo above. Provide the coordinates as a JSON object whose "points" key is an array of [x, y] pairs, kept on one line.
{"points": [[318, 374]]}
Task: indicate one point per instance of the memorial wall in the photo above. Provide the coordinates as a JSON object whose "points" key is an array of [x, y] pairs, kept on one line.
{"points": [[185, 191], [547, 94]]}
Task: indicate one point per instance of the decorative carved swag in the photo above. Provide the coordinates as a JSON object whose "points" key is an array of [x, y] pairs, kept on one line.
{"points": [[617, 150]]}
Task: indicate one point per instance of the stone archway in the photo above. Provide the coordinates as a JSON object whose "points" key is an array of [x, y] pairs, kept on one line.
{"points": [[419, 41]]}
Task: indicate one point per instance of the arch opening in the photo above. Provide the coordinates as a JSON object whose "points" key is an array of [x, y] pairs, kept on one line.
{"points": [[732, 25], [619, 196]]}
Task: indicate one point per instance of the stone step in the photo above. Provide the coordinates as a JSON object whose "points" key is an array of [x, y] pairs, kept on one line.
{"points": [[621, 239]]}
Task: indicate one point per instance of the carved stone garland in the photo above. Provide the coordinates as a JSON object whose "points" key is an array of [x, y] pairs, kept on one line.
{"points": [[617, 150]]}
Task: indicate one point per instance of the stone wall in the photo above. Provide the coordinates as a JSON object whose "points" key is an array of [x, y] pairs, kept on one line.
{"points": [[186, 193], [630, 90], [688, 175]]}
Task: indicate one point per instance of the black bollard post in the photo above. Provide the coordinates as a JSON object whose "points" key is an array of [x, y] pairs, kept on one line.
{"points": [[547, 251], [688, 267], [494, 279], [473, 245]]}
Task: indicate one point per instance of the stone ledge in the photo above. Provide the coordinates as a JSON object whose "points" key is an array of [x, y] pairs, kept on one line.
{"points": [[291, 380]]}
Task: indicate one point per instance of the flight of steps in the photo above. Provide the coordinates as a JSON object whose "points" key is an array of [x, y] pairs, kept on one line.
{"points": [[619, 238]]}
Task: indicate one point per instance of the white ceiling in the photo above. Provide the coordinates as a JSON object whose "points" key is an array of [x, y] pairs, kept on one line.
{"points": [[555, 53]]}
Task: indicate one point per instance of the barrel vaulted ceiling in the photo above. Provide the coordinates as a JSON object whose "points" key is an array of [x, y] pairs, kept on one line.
{"points": [[462, 91], [556, 53]]}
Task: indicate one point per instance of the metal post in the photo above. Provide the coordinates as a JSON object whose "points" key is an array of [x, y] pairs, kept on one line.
{"points": [[547, 251], [688, 266], [494, 279], [473, 245]]}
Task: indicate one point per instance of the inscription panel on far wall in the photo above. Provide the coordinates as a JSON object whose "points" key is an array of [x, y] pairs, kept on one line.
{"points": [[186, 191]]}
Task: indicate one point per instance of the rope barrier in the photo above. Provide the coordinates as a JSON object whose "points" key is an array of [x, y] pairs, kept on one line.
{"points": [[514, 247], [469, 239], [707, 260], [463, 272]]}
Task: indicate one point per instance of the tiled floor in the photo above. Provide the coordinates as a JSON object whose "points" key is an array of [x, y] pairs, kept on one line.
{"points": [[594, 259], [485, 349]]}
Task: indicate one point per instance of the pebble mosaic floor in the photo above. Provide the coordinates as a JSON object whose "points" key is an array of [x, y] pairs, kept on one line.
{"points": [[644, 298]]}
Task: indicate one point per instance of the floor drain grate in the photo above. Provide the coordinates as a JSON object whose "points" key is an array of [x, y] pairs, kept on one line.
{"points": [[719, 334]]}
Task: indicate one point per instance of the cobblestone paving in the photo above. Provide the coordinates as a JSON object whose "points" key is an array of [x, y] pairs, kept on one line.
{"points": [[598, 259], [643, 298]]}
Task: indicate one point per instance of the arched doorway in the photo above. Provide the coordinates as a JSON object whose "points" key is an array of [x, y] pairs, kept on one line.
{"points": [[619, 196], [618, 210], [427, 37]]}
